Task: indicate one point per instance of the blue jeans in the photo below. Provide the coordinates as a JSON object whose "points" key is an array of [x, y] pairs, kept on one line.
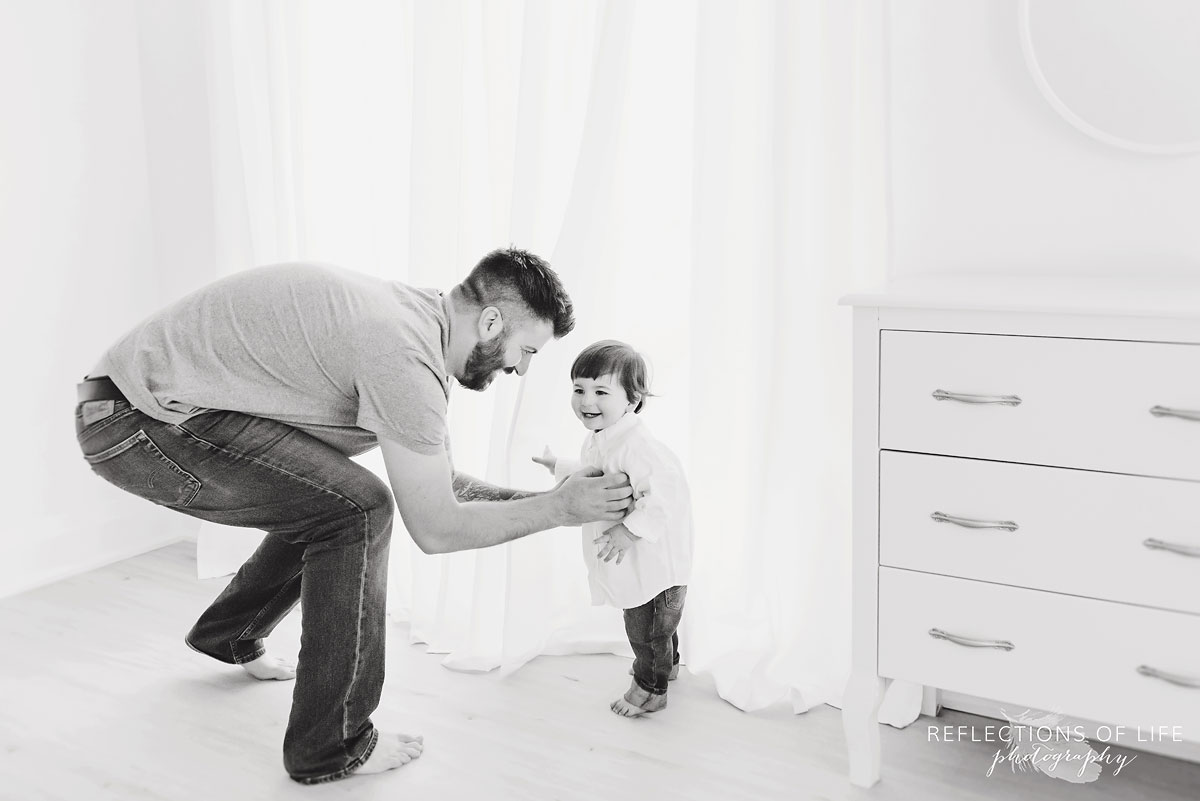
{"points": [[328, 523], [651, 629]]}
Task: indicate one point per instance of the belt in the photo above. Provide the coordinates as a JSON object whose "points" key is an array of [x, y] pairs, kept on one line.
{"points": [[93, 389]]}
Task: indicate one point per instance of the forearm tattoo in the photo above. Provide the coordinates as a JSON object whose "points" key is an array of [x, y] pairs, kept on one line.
{"points": [[467, 488]]}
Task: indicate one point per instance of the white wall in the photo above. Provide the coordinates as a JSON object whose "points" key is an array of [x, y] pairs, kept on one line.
{"points": [[175, 113], [88, 206], [987, 177]]}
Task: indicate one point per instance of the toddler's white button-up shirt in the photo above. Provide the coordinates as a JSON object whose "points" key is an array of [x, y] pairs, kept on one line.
{"points": [[661, 517]]}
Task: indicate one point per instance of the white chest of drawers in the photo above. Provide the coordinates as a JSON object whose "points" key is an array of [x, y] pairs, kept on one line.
{"points": [[1027, 501]]}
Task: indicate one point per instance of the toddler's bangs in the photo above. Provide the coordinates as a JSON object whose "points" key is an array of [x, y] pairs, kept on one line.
{"points": [[608, 357]]}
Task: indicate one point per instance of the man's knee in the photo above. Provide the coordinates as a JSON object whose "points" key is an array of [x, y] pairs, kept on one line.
{"points": [[375, 500], [363, 508]]}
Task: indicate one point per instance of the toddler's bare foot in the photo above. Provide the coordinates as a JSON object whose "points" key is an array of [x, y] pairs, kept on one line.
{"points": [[268, 668], [637, 702], [674, 674], [392, 751]]}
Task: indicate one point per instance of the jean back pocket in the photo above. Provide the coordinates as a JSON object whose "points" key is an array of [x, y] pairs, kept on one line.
{"points": [[136, 465]]}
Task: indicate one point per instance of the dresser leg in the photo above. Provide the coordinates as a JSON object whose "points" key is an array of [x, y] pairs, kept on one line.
{"points": [[860, 720], [931, 701]]}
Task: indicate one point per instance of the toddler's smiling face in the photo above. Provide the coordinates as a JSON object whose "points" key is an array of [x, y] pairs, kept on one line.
{"points": [[599, 402]]}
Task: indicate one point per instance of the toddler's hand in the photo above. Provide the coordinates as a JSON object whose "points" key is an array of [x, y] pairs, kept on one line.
{"points": [[615, 542], [547, 459]]}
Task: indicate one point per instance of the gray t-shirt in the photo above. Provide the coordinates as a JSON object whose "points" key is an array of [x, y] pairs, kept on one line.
{"points": [[343, 356]]}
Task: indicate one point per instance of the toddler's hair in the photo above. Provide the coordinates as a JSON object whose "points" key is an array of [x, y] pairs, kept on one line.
{"points": [[611, 357]]}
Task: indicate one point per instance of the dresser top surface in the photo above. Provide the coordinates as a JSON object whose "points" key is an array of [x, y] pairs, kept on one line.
{"points": [[1107, 296]]}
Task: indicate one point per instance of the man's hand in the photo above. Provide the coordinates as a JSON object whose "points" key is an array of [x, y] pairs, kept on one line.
{"points": [[547, 460], [589, 495], [615, 542], [440, 522]]}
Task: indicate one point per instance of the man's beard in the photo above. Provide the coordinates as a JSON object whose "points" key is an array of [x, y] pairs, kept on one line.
{"points": [[486, 359]]}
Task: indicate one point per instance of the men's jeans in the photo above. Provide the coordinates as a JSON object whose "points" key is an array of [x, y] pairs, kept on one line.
{"points": [[328, 523], [651, 628]]}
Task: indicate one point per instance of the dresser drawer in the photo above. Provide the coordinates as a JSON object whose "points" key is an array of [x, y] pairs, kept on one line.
{"points": [[1103, 535], [1075, 656], [1082, 402]]}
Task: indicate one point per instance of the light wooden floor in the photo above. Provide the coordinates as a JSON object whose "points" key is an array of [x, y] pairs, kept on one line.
{"points": [[99, 699]]}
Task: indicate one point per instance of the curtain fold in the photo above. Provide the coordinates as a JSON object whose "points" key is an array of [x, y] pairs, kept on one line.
{"points": [[701, 176], [252, 94]]}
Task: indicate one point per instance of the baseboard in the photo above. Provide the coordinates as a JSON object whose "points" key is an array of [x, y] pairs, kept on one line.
{"points": [[40, 578], [1189, 752]]}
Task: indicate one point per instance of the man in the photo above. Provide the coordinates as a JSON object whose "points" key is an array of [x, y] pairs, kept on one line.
{"points": [[242, 403]]}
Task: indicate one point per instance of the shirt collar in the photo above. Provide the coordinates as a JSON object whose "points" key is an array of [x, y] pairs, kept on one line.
{"points": [[445, 333], [617, 430]]}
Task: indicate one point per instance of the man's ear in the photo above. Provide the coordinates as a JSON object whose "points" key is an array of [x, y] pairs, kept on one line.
{"points": [[490, 324]]}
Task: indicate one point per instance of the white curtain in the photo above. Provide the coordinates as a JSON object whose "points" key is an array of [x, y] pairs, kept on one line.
{"points": [[707, 179]]}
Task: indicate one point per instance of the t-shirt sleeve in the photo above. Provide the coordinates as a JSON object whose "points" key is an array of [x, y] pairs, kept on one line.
{"points": [[401, 398]]}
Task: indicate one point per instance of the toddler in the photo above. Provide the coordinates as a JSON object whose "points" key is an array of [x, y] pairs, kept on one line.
{"points": [[642, 564]]}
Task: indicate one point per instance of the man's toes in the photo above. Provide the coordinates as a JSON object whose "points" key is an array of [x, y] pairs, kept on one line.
{"points": [[391, 751], [270, 668]]}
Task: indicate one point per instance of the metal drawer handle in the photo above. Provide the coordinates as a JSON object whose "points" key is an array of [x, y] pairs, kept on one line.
{"points": [[1173, 678], [967, 522], [963, 397], [1184, 414], [1003, 645], [1173, 547]]}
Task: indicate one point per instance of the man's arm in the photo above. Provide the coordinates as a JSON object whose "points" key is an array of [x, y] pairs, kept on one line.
{"points": [[440, 523], [469, 488]]}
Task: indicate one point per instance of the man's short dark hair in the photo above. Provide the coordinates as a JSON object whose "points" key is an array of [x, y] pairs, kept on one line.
{"points": [[509, 277]]}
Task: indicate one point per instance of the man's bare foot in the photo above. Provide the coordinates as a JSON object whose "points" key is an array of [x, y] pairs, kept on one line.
{"points": [[674, 674], [392, 751], [268, 668], [637, 702]]}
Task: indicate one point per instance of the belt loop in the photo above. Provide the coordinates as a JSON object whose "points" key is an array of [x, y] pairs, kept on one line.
{"points": [[102, 388]]}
